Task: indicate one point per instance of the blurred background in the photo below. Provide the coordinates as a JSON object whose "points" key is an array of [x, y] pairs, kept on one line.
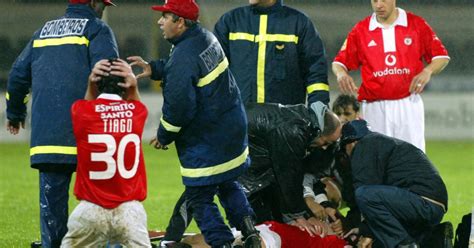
{"points": [[449, 99]]}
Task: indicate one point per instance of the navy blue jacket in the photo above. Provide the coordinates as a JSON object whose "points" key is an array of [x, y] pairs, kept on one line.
{"points": [[202, 110], [55, 65], [275, 54]]}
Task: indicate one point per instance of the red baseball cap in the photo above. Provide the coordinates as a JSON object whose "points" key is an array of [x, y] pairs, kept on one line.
{"points": [[187, 9], [107, 2]]}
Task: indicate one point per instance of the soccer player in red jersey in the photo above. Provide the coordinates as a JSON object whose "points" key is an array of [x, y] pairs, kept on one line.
{"points": [[278, 235], [111, 179], [390, 47]]}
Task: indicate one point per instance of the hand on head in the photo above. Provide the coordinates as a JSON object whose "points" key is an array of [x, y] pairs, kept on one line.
{"points": [[117, 67]]}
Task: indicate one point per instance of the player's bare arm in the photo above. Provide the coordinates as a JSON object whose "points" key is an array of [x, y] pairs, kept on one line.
{"points": [[423, 78], [344, 80], [315, 208], [138, 61]]}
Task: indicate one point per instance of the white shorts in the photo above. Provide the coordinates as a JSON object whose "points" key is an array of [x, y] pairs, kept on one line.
{"points": [[269, 237], [402, 119], [91, 225]]}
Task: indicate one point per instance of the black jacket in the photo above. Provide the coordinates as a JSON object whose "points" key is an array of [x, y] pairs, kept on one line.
{"points": [[381, 160], [279, 138]]}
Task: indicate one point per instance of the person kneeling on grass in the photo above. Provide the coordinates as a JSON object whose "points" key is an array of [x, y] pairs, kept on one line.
{"points": [[111, 179], [396, 187]]}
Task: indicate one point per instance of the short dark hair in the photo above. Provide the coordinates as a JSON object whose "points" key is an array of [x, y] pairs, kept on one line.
{"points": [[342, 101], [188, 23], [331, 123], [109, 84]]}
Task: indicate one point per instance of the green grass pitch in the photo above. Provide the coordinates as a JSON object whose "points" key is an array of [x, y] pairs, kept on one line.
{"points": [[19, 222]]}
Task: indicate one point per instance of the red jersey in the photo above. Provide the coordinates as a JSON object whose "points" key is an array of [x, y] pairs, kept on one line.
{"points": [[110, 165], [293, 237], [389, 57]]}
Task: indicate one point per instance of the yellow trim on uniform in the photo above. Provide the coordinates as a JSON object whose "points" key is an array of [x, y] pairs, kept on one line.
{"points": [[242, 36], [214, 73], [277, 37], [68, 150], [72, 40], [26, 99], [262, 38], [262, 49], [216, 169], [168, 126], [317, 86]]}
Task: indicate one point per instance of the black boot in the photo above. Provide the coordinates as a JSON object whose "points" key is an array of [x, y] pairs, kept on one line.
{"points": [[250, 238], [448, 234]]}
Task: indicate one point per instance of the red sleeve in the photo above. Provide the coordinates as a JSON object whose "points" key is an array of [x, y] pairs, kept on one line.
{"points": [[348, 54], [431, 44], [75, 109]]}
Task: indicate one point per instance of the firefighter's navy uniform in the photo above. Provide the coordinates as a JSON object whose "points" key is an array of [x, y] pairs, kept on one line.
{"points": [[55, 66], [275, 54]]}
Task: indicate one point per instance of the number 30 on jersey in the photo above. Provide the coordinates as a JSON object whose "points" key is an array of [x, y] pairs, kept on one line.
{"points": [[108, 158]]}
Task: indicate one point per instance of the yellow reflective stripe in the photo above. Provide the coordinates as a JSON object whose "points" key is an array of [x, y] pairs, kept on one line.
{"points": [[242, 36], [168, 126], [264, 37], [61, 41], [262, 47], [26, 99], [277, 37], [317, 86], [216, 169], [214, 73], [68, 150]]}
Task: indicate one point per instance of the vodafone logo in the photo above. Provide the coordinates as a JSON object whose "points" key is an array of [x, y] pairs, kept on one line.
{"points": [[390, 60]]}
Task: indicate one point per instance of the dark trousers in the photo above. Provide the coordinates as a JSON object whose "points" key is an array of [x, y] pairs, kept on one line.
{"points": [[396, 215], [206, 212], [54, 196], [179, 221], [266, 204]]}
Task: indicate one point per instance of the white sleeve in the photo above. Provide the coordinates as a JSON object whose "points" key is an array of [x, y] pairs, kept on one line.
{"points": [[308, 182], [269, 237]]}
